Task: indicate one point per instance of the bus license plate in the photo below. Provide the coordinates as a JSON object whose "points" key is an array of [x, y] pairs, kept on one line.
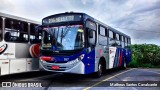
{"points": [[55, 67]]}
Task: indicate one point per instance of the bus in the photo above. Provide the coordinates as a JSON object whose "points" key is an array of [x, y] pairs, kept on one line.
{"points": [[19, 44], [78, 43]]}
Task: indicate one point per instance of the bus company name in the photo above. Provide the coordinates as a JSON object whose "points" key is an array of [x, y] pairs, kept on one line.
{"points": [[59, 19]]}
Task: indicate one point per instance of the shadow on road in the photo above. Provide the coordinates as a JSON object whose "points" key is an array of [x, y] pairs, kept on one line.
{"points": [[76, 80], [58, 79], [24, 75]]}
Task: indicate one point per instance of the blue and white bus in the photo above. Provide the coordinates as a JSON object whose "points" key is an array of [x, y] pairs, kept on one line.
{"points": [[78, 43]]}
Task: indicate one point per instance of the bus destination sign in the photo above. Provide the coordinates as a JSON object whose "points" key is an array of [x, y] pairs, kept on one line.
{"points": [[62, 18]]}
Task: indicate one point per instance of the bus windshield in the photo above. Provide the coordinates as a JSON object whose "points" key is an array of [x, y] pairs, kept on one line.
{"points": [[63, 38]]}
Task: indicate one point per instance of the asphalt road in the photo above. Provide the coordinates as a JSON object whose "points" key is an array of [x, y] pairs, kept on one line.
{"points": [[115, 79]]}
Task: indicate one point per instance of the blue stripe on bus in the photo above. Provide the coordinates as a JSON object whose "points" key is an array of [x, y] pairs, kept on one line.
{"points": [[89, 62], [118, 55]]}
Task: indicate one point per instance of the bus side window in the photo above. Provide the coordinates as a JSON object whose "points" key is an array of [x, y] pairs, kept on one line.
{"points": [[91, 28], [0, 29], [102, 36], [16, 31], [35, 36], [112, 38], [110, 34], [126, 42], [92, 37], [122, 41], [118, 43]]}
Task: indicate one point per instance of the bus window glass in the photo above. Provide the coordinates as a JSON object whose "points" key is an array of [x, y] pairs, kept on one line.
{"points": [[91, 25], [122, 41], [0, 29], [117, 36], [16, 31], [125, 40], [102, 40], [110, 34], [118, 42], [120, 37], [35, 36], [129, 41], [102, 31], [92, 40]]}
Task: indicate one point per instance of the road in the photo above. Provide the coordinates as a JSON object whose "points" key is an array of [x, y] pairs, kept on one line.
{"points": [[59, 81]]}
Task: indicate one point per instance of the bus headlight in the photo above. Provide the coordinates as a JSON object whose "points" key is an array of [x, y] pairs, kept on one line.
{"points": [[76, 60], [42, 61]]}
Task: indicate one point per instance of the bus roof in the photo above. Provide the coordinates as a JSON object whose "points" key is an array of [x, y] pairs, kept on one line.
{"points": [[18, 18], [88, 16]]}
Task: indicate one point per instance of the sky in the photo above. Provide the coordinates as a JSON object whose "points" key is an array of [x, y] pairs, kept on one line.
{"points": [[140, 19]]}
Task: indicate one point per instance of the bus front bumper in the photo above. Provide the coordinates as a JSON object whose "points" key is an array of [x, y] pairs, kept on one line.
{"points": [[75, 68]]}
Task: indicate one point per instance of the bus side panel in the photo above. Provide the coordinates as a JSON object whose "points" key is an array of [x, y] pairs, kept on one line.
{"points": [[112, 55], [22, 50], [4, 67], [116, 57], [17, 65], [11, 50], [101, 51], [89, 62], [119, 57], [4, 62]]}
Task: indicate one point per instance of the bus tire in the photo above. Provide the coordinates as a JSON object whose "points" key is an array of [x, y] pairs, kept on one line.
{"points": [[98, 74]]}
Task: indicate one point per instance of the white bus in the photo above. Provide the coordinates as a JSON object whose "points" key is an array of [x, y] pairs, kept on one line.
{"points": [[19, 44]]}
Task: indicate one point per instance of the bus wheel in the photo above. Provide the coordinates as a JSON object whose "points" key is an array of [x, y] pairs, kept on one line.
{"points": [[98, 74]]}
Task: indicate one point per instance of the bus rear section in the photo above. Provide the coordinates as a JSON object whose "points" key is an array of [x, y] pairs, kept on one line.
{"points": [[119, 57], [19, 46]]}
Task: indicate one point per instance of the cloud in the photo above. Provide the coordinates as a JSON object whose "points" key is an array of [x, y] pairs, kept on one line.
{"points": [[129, 16]]}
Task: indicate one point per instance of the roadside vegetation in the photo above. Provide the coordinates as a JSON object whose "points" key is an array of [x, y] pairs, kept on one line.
{"points": [[145, 55]]}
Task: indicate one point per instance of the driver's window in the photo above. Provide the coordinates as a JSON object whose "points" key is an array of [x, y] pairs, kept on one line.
{"points": [[91, 28]]}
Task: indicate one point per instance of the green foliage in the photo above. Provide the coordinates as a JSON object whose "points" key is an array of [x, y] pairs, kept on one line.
{"points": [[145, 55]]}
